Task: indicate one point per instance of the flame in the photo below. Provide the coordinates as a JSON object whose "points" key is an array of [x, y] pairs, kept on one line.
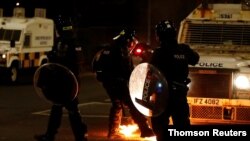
{"points": [[151, 138], [130, 130]]}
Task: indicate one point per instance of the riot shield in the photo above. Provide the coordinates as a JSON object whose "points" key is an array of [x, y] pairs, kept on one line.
{"points": [[148, 90], [55, 83]]}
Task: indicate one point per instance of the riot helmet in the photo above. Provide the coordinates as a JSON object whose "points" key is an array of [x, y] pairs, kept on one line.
{"points": [[64, 26], [165, 30], [126, 36]]}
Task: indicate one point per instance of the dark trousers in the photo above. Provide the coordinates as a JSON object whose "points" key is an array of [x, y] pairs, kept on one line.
{"points": [[118, 92], [178, 109], [78, 127]]}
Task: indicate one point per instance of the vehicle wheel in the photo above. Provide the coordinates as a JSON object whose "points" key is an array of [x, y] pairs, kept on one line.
{"points": [[13, 74]]}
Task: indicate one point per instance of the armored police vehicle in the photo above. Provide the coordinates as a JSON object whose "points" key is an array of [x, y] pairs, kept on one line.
{"points": [[220, 87], [24, 41]]}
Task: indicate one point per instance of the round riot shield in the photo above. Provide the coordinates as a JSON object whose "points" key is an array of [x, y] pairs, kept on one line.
{"points": [[55, 83], [148, 90]]}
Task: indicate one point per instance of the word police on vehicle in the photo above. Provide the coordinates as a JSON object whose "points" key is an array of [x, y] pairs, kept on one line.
{"points": [[220, 90]]}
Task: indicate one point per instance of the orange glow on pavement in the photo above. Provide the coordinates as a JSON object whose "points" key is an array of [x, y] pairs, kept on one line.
{"points": [[131, 131], [150, 139], [128, 130]]}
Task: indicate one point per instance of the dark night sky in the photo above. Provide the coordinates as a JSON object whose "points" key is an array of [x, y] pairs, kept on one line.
{"points": [[100, 20], [109, 15], [88, 12]]}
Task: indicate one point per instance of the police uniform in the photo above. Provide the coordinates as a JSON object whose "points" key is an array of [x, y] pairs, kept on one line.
{"points": [[173, 59], [65, 52], [116, 69]]}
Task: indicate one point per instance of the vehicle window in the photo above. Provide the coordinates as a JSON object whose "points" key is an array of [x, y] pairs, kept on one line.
{"points": [[7, 34], [26, 41]]}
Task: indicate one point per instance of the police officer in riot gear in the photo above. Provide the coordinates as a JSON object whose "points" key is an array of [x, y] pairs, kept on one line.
{"points": [[65, 52], [172, 59], [114, 73]]}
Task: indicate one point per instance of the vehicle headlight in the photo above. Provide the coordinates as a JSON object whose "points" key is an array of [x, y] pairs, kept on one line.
{"points": [[3, 56], [242, 81]]}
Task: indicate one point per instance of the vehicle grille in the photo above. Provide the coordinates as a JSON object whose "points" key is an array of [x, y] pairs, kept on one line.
{"points": [[210, 83], [241, 114], [214, 84], [206, 112], [206, 32]]}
